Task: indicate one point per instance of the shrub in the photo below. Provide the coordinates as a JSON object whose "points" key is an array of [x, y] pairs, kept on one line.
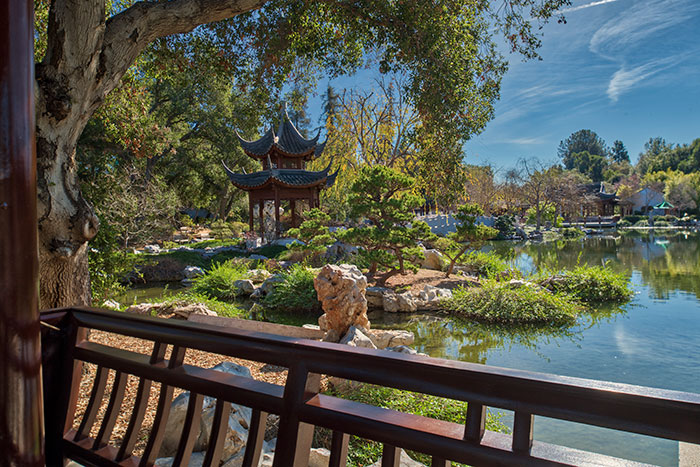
{"points": [[218, 282], [220, 230], [505, 225], [364, 452], [510, 304], [661, 223], [633, 219], [624, 223], [479, 263], [295, 292], [590, 284], [571, 232], [642, 223]]}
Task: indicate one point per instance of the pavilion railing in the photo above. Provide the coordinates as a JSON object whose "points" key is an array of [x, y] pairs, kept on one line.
{"points": [[654, 412]]}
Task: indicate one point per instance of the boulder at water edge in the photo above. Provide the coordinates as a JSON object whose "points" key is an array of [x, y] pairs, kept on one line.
{"points": [[341, 291]]}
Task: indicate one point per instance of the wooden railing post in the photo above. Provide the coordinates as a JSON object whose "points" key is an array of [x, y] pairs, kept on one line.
{"points": [[21, 414]]}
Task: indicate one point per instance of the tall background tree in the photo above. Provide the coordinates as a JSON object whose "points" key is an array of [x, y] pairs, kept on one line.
{"points": [[84, 48], [578, 142]]}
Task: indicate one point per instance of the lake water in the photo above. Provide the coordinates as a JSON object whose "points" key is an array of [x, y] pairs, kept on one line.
{"points": [[654, 340]]}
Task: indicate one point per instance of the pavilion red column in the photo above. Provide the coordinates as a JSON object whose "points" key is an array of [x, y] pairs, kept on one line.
{"points": [[21, 414], [250, 212]]}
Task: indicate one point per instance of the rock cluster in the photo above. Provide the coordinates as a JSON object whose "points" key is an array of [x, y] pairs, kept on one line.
{"points": [[406, 302], [176, 309], [341, 291]]}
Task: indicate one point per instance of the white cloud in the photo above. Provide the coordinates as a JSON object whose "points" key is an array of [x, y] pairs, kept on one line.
{"points": [[637, 23], [625, 78], [588, 5]]}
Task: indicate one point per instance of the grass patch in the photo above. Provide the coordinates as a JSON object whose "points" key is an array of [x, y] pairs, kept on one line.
{"points": [[502, 303], [482, 264], [295, 292], [571, 232], [271, 251], [228, 310], [365, 452], [590, 284], [215, 243], [218, 282]]}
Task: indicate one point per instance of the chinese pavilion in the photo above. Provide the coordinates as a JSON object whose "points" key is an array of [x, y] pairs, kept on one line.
{"points": [[283, 176]]}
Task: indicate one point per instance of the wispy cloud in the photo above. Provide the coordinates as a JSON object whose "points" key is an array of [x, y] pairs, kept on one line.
{"points": [[632, 27], [625, 78], [588, 5]]}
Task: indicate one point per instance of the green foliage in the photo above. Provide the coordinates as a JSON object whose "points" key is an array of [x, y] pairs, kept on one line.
{"points": [[187, 258], [578, 142], [218, 281], [497, 302], [295, 292], [222, 230], [591, 165], [109, 265], [505, 225], [619, 152], [363, 452], [314, 233], [571, 232], [228, 310], [468, 234], [485, 264], [642, 223], [547, 214], [271, 251], [382, 196], [214, 243], [591, 284]]}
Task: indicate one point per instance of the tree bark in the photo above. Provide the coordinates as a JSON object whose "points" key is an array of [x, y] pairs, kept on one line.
{"points": [[86, 57]]}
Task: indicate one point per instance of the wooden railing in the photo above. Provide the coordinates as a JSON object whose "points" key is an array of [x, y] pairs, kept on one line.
{"points": [[659, 413]]}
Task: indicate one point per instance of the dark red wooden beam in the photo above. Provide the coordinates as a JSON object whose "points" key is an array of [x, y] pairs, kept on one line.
{"points": [[21, 416]]}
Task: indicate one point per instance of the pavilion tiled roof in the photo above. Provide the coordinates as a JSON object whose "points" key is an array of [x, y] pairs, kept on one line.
{"points": [[287, 140], [284, 177]]}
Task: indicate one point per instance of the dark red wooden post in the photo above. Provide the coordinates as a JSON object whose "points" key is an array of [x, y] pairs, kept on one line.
{"points": [[21, 424]]}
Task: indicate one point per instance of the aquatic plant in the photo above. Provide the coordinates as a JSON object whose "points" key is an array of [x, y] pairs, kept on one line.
{"points": [[590, 284], [514, 303]]}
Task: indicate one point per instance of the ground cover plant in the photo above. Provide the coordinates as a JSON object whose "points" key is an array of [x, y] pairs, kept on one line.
{"points": [[485, 264], [363, 452], [218, 282], [294, 292], [504, 303]]}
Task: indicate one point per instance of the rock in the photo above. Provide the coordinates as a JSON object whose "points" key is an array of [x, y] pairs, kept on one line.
{"points": [[258, 257], [196, 460], [341, 291], [403, 302], [152, 249], [238, 421], [267, 456], [340, 251], [259, 275], [286, 241], [180, 309], [405, 349], [331, 335], [433, 260], [375, 296], [191, 272], [311, 326], [383, 338], [111, 304], [253, 243], [356, 338], [404, 461], [518, 283], [431, 296], [244, 286], [144, 308], [163, 270], [267, 286], [319, 457]]}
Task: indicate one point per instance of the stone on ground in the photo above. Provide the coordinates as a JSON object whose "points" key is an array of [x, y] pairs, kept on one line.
{"points": [[191, 272], [356, 338], [404, 461], [383, 338], [244, 286], [433, 260]]}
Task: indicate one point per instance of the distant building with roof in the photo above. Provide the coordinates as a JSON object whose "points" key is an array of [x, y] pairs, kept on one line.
{"points": [[599, 202], [283, 177], [644, 201]]}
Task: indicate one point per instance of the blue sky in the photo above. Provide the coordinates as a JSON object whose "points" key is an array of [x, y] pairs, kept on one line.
{"points": [[626, 69]]}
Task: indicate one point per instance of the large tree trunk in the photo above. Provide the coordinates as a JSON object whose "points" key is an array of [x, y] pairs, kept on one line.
{"points": [[86, 57]]}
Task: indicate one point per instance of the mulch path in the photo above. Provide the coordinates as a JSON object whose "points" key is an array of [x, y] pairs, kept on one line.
{"points": [[424, 277]]}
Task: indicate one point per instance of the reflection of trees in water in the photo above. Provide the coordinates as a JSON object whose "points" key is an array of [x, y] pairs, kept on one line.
{"points": [[666, 261]]}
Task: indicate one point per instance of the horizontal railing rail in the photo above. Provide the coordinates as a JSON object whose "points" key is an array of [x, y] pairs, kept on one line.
{"points": [[654, 412]]}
